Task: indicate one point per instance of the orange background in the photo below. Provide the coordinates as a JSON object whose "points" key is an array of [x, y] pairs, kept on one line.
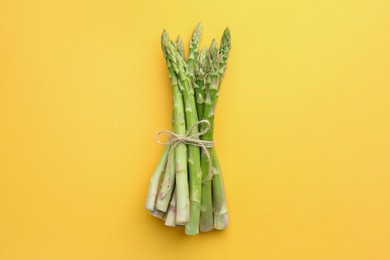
{"points": [[302, 128]]}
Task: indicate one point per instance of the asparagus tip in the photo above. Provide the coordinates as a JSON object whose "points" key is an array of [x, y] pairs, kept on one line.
{"points": [[214, 44], [226, 40], [227, 32], [180, 45], [199, 26], [213, 52], [195, 39]]}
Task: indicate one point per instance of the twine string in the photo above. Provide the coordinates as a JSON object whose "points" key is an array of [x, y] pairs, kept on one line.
{"points": [[190, 139]]}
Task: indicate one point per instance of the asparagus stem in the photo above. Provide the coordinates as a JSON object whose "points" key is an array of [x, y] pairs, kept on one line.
{"points": [[219, 197], [195, 171], [217, 62], [192, 227], [182, 192], [154, 181], [171, 214], [206, 218]]}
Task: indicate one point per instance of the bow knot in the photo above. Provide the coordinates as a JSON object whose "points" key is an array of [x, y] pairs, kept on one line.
{"points": [[190, 139]]}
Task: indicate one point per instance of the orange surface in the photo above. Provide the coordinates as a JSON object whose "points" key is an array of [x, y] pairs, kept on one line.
{"points": [[303, 129]]}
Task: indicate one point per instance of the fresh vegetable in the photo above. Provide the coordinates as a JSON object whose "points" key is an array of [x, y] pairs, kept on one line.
{"points": [[187, 186]]}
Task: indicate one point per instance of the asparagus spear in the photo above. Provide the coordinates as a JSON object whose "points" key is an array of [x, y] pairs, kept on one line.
{"points": [[192, 228], [206, 215], [217, 68], [219, 197], [182, 200], [195, 171], [166, 187]]}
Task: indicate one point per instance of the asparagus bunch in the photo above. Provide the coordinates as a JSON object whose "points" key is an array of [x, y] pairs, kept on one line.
{"points": [[181, 190]]}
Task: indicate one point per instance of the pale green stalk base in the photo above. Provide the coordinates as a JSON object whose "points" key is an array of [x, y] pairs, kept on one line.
{"points": [[166, 187], [206, 209], [178, 221], [157, 214], [220, 221], [154, 181], [219, 198], [192, 227], [182, 195], [170, 219]]}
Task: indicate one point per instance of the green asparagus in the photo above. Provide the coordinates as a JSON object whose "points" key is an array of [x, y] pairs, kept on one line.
{"points": [[191, 117], [183, 189]]}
